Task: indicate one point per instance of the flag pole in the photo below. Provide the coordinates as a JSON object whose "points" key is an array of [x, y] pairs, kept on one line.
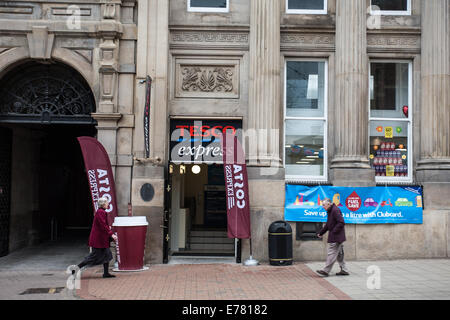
{"points": [[250, 261]]}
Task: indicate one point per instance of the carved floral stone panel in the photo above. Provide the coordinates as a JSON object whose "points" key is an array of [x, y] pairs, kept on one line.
{"points": [[207, 78]]}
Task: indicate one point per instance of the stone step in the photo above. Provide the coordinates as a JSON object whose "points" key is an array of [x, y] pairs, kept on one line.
{"points": [[212, 246], [207, 233], [201, 239]]}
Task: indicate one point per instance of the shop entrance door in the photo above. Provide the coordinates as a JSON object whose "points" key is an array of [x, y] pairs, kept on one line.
{"points": [[196, 200], [5, 188], [197, 224]]}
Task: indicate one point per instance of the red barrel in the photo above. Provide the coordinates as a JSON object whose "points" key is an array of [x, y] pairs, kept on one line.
{"points": [[131, 232]]}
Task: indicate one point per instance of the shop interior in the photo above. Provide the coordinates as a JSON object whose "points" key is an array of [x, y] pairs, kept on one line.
{"points": [[198, 219]]}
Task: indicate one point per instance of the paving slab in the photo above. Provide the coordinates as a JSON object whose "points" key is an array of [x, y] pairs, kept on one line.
{"points": [[426, 279], [210, 282], [39, 273]]}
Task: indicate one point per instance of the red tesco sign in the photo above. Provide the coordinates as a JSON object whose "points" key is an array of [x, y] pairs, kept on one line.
{"points": [[204, 130]]}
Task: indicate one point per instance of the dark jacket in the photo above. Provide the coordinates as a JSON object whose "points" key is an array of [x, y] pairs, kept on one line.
{"points": [[335, 225], [100, 232]]}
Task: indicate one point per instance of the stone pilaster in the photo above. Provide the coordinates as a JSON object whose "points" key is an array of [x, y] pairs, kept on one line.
{"points": [[263, 125], [152, 60], [109, 30], [264, 82], [350, 164], [125, 103], [433, 168]]}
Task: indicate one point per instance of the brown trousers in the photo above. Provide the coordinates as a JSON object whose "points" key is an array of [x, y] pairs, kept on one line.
{"points": [[335, 252]]}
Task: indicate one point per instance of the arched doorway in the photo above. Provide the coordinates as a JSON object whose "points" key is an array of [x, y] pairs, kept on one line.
{"points": [[43, 108]]}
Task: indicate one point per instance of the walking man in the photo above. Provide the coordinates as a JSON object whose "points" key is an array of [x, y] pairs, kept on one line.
{"points": [[336, 237]]}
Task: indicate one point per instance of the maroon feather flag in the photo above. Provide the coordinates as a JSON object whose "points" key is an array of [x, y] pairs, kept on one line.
{"points": [[99, 174], [236, 188]]}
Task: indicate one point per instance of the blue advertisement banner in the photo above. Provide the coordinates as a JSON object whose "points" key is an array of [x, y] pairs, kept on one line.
{"points": [[363, 205]]}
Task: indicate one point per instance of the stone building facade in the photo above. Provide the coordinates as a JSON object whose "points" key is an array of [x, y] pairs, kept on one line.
{"points": [[231, 62], [67, 43]]}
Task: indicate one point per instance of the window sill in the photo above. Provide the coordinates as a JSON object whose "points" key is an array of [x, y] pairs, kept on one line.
{"points": [[390, 13], [304, 12], [303, 181], [395, 183]]}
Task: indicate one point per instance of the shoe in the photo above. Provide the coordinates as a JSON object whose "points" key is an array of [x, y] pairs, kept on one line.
{"points": [[342, 273], [323, 273], [108, 275]]}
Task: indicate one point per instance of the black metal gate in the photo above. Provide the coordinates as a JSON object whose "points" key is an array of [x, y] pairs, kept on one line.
{"points": [[5, 188]]}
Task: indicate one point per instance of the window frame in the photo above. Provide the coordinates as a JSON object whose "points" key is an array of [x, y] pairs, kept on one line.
{"points": [[324, 118], [307, 11], [208, 9], [406, 12], [301, 235], [409, 120]]}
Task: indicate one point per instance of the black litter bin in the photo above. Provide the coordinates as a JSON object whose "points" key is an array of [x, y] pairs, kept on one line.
{"points": [[280, 243]]}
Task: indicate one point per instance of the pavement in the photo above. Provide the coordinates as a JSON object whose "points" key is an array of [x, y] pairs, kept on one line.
{"points": [[412, 279], [39, 273], [218, 281]]}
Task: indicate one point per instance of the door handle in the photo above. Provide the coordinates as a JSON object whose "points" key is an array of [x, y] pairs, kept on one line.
{"points": [[163, 227]]}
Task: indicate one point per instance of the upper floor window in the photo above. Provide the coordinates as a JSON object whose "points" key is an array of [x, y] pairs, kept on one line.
{"points": [[390, 7], [208, 5], [306, 6]]}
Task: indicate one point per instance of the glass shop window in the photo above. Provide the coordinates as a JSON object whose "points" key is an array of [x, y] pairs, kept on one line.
{"points": [[306, 6], [208, 5], [305, 121], [390, 7], [390, 120]]}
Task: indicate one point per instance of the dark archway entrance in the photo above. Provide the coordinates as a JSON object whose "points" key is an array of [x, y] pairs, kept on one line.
{"points": [[44, 107]]}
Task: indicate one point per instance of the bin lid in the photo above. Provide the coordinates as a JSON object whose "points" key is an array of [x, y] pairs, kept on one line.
{"points": [[280, 226], [130, 221]]}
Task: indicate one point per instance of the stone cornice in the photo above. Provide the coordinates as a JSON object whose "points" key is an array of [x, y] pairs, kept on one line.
{"points": [[307, 40], [433, 164], [107, 120], [211, 38], [389, 41], [406, 40], [96, 29], [77, 1], [106, 116], [235, 28]]}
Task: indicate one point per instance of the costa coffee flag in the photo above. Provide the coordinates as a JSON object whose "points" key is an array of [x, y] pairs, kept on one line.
{"points": [[99, 174], [236, 188]]}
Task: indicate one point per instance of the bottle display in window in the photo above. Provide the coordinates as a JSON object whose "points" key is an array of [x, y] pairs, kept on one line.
{"points": [[389, 156]]}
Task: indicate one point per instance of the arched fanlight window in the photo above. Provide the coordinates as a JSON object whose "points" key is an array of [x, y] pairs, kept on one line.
{"points": [[45, 93]]}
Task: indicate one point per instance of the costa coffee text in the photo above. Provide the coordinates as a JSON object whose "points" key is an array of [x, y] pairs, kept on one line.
{"points": [[235, 190], [100, 188]]}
